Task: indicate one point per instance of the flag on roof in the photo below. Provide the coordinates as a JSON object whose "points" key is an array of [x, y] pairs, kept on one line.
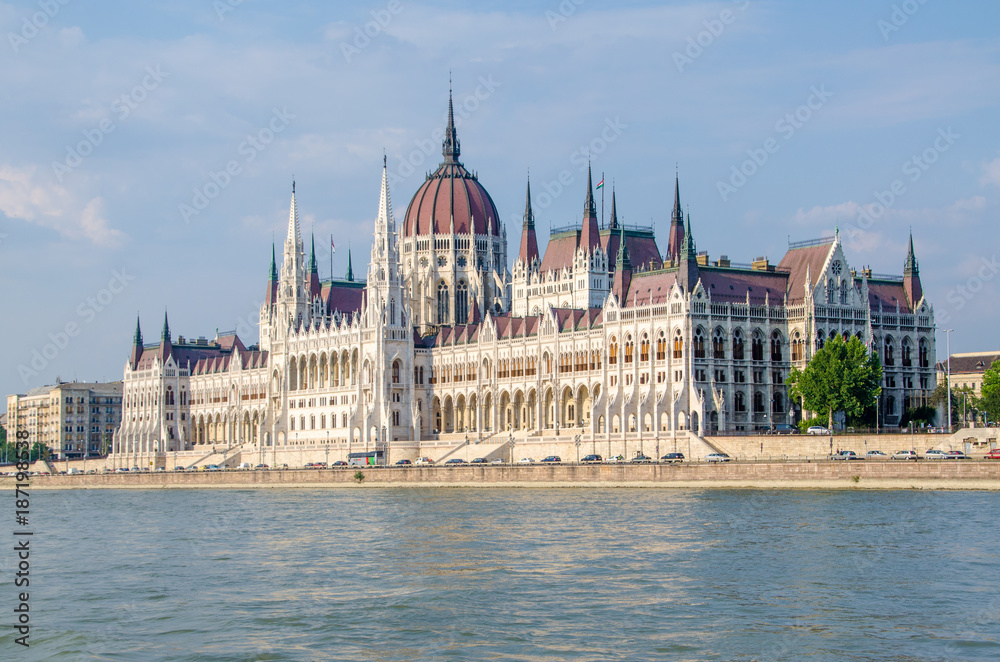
{"points": [[333, 247], [600, 184]]}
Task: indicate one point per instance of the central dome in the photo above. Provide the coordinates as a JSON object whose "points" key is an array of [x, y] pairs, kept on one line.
{"points": [[451, 192]]}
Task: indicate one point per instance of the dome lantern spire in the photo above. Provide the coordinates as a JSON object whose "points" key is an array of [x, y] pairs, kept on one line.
{"points": [[451, 148]]}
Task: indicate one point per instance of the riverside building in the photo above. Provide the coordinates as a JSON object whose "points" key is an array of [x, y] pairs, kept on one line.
{"points": [[73, 419], [604, 337]]}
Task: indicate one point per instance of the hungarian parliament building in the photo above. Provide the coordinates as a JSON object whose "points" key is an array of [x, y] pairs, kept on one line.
{"points": [[603, 337]]}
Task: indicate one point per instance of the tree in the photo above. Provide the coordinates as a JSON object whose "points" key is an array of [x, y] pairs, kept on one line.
{"points": [[990, 400], [843, 376]]}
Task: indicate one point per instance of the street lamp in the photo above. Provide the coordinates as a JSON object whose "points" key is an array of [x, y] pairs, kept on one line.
{"points": [[947, 335]]}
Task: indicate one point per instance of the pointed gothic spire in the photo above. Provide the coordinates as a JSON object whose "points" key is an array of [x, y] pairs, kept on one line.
{"points": [[385, 200], [529, 241], [677, 232], [689, 251], [590, 237], [450, 148], [294, 238], [165, 334], [911, 268], [589, 207], [137, 338], [623, 261], [350, 270], [274, 266], [313, 267]]}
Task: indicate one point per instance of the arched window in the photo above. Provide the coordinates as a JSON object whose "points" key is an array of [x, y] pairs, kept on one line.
{"points": [[758, 402], [776, 346], [924, 354], [740, 401], [890, 351], [831, 291], [613, 352], [644, 349], [757, 346], [777, 403], [395, 372], [796, 347], [629, 348], [906, 352], [819, 340], [392, 311], [661, 347], [442, 303], [738, 345], [843, 292], [699, 343], [462, 303], [719, 344], [678, 344]]}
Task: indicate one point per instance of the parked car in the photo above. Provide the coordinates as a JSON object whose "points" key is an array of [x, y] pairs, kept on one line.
{"points": [[846, 455], [818, 429], [933, 454], [478, 460], [615, 459], [957, 455], [207, 467], [641, 458], [993, 454], [594, 458], [499, 461], [904, 455], [526, 460], [782, 428], [876, 455], [552, 459], [672, 458], [338, 463], [423, 461], [718, 457], [403, 463], [455, 460], [245, 466], [261, 467]]}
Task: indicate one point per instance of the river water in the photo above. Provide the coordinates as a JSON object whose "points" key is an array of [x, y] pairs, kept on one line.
{"points": [[509, 574]]}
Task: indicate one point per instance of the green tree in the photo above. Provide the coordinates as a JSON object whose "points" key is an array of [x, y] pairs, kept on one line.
{"points": [[990, 401], [843, 376]]}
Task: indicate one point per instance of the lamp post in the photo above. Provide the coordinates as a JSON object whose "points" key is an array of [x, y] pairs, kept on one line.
{"points": [[947, 335]]}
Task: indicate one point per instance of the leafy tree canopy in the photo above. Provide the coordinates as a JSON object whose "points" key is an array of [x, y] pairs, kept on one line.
{"points": [[843, 376]]}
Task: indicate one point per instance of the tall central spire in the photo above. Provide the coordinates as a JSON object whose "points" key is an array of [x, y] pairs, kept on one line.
{"points": [[450, 148], [294, 238]]}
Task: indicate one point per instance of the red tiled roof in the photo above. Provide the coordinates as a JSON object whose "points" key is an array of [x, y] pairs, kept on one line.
{"points": [[888, 295], [648, 288], [796, 262], [733, 285]]}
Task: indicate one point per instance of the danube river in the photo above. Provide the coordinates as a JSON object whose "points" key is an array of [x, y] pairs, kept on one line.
{"points": [[509, 574]]}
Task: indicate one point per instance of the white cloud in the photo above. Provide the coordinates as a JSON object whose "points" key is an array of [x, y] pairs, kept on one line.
{"points": [[991, 173], [26, 195]]}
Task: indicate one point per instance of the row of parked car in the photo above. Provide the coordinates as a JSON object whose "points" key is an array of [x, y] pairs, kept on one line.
{"points": [[550, 459], [929, 454]]}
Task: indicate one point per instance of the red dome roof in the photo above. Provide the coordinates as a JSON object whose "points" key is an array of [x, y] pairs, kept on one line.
{"points": [[451, 192]]}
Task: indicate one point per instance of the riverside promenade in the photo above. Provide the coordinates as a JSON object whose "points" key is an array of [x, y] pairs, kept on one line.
{"points": [[820, 474]]}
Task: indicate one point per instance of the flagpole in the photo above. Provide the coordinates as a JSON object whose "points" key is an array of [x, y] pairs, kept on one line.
{"points": [[602, 199], [331, 258]]}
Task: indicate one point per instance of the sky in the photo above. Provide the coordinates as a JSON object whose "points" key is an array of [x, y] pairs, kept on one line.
{"points": [[149, 148]]}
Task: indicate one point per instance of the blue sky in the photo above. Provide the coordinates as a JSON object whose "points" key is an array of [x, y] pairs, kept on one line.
{"points": [[161, 96]]}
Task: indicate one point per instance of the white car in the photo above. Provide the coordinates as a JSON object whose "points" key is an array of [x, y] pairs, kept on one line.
{"points": [[818, 429], [526, 460], [498, 461], [932, 454], [718, 457], [904, 455], [423, 460]]}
